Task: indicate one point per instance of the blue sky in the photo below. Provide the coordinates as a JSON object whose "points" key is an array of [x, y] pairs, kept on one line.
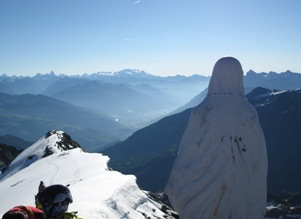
{"points": [[161, 37]]}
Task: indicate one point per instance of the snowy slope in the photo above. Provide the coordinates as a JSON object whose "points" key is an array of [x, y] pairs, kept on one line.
{"points": [[97, 191]]}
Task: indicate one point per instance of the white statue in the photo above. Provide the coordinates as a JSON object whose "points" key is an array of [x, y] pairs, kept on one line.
{"points": [[221, 167]]}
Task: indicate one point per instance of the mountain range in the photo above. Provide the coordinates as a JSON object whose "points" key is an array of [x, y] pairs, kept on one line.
{"points": [[178, 88], [103, 108], [98, 109], [156, 145], [282, 81]]}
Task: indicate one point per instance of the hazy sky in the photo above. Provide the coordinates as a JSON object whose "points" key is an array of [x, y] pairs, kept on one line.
{"points": [[161, 37]]}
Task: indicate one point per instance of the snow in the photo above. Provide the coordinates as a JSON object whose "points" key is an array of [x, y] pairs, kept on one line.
{"points": [[221, 168], [97, 191], [32, 154], [279, 92]]}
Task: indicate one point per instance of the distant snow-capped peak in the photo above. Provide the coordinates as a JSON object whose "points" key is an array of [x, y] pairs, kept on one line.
{"points": [[132, 72], [122, 73]]}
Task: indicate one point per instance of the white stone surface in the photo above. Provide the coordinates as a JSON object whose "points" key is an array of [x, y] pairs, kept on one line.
{"points": [[221, 168]]}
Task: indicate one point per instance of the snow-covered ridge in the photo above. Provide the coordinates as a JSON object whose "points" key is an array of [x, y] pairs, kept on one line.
{"points": [[52, 143], [97, 191], [263, 97]]}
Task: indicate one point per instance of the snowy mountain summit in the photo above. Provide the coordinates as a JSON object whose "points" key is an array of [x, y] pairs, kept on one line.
{"points": [[53, 142], [97, 192]]}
